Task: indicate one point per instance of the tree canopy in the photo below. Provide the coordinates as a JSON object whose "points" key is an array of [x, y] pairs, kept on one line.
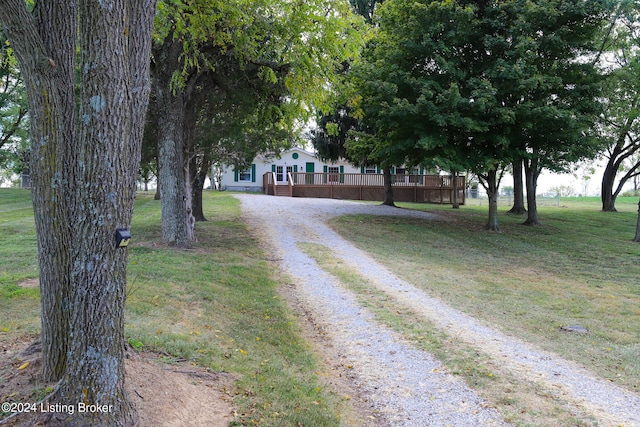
{"points": [[296, 47], [480, 84], [620, 122]]}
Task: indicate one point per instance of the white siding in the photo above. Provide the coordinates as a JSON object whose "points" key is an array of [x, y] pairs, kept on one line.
{"points": [[295, 159]]}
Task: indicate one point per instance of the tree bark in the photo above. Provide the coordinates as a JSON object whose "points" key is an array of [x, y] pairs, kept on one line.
{"points": [[388, 189], [491, 185], [46, 56], [532, 172], [200, 166], [173, 177], [198, 158], [518, 189], [84, 170], [114, 84], [454, 197], [607, 195]]}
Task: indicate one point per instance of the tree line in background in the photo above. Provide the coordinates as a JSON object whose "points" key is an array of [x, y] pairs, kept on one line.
{"points": [[460, 86]]}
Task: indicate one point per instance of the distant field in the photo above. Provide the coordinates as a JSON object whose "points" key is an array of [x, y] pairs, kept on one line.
{"points": [[623, 204]]}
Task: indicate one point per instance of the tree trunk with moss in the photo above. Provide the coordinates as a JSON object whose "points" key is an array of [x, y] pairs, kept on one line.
{"points": [[173, 176], [84, 173]]}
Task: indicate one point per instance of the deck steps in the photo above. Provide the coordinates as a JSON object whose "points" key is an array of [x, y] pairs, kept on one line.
{"points": [[282, 190]]}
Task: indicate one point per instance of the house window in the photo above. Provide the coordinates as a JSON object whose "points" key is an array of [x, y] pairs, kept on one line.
{"points": [[282, 172], [370, 169], [244, 175]]}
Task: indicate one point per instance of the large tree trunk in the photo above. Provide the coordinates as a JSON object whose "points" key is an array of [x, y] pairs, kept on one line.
{"points": [[491, 186], [388, 189], [454, 196], [84, 184], [53, 175], [198, 160], [532, 173], [44, 43], [518, 190], [175, 191], [200, 166], [114, 88], [607, 195]]}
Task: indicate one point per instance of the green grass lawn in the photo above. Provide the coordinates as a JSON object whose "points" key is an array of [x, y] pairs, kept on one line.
{"points": [[216, 305], [579, 268]]}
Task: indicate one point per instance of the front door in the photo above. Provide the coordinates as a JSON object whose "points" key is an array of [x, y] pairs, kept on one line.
{"points": [[282, 172], [309, 169]]}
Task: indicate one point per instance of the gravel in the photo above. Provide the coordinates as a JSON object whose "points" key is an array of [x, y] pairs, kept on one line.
{"points": [[408, 386]]}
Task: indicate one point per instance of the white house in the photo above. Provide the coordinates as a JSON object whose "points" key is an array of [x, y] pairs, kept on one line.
{"points": [[293, 160]]}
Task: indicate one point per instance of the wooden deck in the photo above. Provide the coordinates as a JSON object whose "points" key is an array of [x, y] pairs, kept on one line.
{"points": [[359, 186]]}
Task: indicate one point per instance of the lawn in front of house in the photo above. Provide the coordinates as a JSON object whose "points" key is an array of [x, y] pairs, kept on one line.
{"points": [[216, 305], [579, 268]]}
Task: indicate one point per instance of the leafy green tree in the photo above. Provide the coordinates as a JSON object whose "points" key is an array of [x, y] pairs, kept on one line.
{"points": [[484, 84], [85, 66], [620, 123], [307, 39], [14, 120], [233, 115], [426, 91], [551, 88], [344, 120]]}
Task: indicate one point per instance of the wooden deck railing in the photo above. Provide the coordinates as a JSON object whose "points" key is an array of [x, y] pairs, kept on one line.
{"points": [[290, 183], [357, 186], [375, 180], [271, 186]]}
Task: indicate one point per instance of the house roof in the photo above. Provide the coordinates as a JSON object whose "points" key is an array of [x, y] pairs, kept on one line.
{"points": [[270, 156]]}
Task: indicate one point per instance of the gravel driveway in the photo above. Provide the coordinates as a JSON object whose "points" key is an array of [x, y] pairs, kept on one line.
{"points": [[408, 386]]}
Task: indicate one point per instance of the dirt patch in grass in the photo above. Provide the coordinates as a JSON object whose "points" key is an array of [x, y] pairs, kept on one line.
{"points": [[173, 395], [30, 283]]}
